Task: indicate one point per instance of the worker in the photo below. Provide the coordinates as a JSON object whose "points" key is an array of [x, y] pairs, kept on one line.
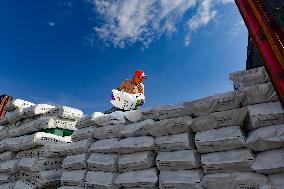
{"points": [[131, 86]]}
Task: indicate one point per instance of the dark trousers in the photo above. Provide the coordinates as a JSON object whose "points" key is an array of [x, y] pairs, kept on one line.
{"points": [[113, 109]]}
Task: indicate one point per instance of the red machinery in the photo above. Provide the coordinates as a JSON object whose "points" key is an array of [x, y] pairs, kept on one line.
{"points": [[4, 99], [269, 39]]}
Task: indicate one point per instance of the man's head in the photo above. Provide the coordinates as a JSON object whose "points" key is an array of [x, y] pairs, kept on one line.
{"points": [[139, 77]]}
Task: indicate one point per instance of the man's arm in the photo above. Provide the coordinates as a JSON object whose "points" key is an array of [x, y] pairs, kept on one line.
{"points": [[121, 86], [141, 89]]}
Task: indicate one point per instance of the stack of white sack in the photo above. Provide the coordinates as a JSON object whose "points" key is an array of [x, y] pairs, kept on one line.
{"points": [[266, 138], [34, 144], [255, 86], [220, 138]]}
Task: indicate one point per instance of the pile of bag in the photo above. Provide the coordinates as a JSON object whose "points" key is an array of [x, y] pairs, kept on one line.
{"points": [[34, 139]]}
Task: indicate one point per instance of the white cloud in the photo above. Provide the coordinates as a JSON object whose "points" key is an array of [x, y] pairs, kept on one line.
{"points": [[237, 29], [51, 24], [128, 21]]}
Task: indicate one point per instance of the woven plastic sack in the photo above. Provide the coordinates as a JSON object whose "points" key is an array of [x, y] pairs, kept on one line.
{"points": [[39, 163], [104, 146], [75, 162], [4, 178], [250, 77], [88, 121], [3, 132], [269, 162], [102, 162], [227, 161], [22, 184], [82, 134], [134, 144], [9, 167], [266, 138], [183, 179], [257, 94], [79, 147], [18, 103], [178, 160], [133, 115], [111, 119], [170, 126], [107, 132], [137, 129], [5, 156], [23, 129], [136, 161], [225, 138], [65, 112], [71, 187], [54, 122], [100, 180], [126, 101], [41, 139], [144, 178], [183, 141], [216, 120], [234, 180], [216, 103], [73, 178], [275, 181], [35, 110], [172, 111], [261, 115], [7, 186]]}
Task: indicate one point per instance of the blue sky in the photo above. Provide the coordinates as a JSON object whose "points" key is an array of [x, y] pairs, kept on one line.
{"points": [[75, 52]]}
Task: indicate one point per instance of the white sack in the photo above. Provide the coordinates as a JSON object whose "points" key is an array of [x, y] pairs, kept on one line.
{"points": [[4, 178], [113, 118], [35, 110], [136, 161], [249, 77], [227, 161], [178, 160], [216, 120], [5, 156], [41, 139], [144, 178], [266, 138], [79, 147], [104, 146], [236, 180], [133, 115], [172, 111], [134, 144], [216, 103], [100, 180], [257, 94], [22, 184], [54, 122], [106, 132], [7, 186], [170, 126], [126, 101], [225, 138], [9, 167], [75, 162], [65, 112], [73, 178], [261, 115], [88, 121], [137, 129], [183, 141], [71, 187], [183, 179], [56, 150], [82, 134], [102, 162], [39, 163], [18, 103], [269, 162]]}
